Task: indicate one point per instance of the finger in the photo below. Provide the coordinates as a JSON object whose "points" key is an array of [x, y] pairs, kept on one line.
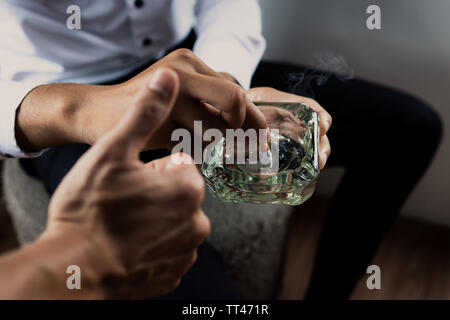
{"points": [[151, 109], [170, 162], [187, 238], [273, 95], [233, 102], [144, 282], [144, 290], [254, 118], [195, 111], [187, 59], [211, 109], [199, 230], [324, 116], [179, 185], [167, 268], [324, 151], [292, 130], [172, 266]]}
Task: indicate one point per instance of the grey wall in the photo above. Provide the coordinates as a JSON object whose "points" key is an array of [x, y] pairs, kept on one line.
{"points": [[411, 52]]}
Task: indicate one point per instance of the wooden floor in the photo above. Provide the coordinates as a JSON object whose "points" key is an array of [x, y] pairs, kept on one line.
{"points": [[414, 258]]}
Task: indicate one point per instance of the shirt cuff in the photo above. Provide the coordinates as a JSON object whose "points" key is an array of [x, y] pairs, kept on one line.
{"points": [[229, 55], [12, 95]]}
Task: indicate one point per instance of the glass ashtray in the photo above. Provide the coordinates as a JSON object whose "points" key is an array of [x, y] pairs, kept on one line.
{"points": [[290, 169]]}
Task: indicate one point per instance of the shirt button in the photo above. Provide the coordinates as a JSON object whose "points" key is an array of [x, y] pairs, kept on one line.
{"points": [[146, 42], [138, 3]]}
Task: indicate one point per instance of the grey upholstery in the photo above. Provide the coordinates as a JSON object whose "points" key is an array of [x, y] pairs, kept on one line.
{"points": [[27, 201], [250, 237]]}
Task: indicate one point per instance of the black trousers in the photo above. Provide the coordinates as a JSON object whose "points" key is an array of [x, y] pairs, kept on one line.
{"points": [[385, 140]]}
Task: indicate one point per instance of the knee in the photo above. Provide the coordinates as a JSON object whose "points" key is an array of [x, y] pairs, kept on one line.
{"points": [[422, 124]]}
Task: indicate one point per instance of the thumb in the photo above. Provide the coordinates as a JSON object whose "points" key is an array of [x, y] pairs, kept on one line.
{"points": [[148, 113]]}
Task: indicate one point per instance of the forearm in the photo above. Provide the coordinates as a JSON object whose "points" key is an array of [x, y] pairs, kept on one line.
{"points": [[38, 271], [57, 114]]}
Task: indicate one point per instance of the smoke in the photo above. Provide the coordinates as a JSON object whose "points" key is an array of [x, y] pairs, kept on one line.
{"points": [[323, 66]]}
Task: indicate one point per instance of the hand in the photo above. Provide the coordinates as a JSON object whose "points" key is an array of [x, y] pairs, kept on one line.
{"points": [[58, 114], [206, 95], [141, 223], [272, 95]]}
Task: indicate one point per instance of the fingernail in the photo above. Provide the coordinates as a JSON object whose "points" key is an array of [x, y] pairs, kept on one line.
{"points": [[163, 82]]}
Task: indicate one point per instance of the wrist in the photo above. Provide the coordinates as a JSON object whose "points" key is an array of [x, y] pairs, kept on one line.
{"points": [[57, 114], [96, 110], [49, 116], [71, 249], [39, 270], [59, 249]]}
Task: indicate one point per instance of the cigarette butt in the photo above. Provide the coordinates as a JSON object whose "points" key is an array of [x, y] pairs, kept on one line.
{"points": [[268, 135]]}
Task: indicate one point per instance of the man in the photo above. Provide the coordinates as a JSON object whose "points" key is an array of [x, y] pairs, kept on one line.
{"points": [[119, 39], [88, 228]]}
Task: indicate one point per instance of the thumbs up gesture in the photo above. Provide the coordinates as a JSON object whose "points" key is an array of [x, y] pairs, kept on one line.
{"points": [[137, 225]]}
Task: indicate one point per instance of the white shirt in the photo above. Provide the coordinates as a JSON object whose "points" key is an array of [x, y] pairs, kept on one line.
{"points": [[116, 37]]}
